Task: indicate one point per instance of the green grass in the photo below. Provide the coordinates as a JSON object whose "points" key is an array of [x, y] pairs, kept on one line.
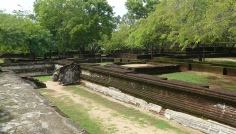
{"points": [[230, 87], [43, 78], [188, 77], [104, 63], [76, 112], [80, 114], [224, 63], [1, 61], [126, 112], [193, 77]]}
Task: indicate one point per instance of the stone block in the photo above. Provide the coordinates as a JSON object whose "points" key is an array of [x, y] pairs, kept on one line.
{"points": [[206, 126]]}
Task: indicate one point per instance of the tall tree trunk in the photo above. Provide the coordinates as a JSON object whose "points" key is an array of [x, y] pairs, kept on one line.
{"points": [[232, 47], [203, 53], [161, 49], [199, 52], [50, 54], [225, 49], [81, 52], [63, 54], [151, 50], [32, 55], [59, 55]]}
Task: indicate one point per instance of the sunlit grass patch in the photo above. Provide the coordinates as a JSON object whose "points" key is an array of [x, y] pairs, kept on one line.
{"points": [[188, 77], [105, 63], [230, 87], [44, 78]]}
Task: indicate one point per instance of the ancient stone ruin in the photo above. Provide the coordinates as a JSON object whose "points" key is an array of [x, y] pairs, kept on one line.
{"points": [[67, 75]]}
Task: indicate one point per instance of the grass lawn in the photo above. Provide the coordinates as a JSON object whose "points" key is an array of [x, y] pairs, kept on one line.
{"points": [[230, 87], [76, 112], [204, 79], [43, 78], [80, 114], [191, 77], [104, 63], [224, 63], [231, 62]]}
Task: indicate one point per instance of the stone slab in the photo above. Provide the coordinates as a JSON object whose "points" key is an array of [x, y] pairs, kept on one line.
{"points": [[24, 110], [206, 126]]}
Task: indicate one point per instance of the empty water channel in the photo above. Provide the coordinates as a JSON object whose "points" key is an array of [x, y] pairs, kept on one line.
{"points": [[156, 108]]}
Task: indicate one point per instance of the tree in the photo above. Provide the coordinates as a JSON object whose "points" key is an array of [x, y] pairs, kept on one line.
{"points": [[21, 35], [201, 22], [186, 19], [117, 40], [152, 31], [76, 24], [38, 39], [138, 9], [220, 22]]}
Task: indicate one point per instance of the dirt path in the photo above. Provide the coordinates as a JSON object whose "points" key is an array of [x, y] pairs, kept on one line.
{"points": [[111, 123]]}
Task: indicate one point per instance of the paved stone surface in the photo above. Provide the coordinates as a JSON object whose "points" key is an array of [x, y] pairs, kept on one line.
{"points": [[24, 110]]}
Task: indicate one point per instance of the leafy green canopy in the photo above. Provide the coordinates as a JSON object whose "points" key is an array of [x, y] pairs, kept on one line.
{"points": [[19, 34], [75, 24], [180, 22], [123, 37]]}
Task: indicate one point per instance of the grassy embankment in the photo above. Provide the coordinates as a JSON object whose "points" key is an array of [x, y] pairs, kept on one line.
{"points": [[80, 113], [204, 79]]}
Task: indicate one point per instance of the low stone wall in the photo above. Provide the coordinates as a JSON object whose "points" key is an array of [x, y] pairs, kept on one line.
{"points": [[186, 64], [116, 94], [215, 104], [30, 68], [206, 126]]}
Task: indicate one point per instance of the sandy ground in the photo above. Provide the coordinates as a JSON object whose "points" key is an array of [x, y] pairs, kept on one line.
{"points": [[111, 123]]}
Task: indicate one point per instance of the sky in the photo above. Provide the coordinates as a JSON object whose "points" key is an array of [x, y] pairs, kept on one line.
{"points": [[10, 5]]}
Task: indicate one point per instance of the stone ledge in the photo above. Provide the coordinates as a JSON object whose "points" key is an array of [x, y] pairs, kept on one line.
{"points": [[206, 126], [116, 94]]}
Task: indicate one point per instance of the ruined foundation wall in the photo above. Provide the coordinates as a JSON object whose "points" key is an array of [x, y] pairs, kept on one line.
{"points": [[30, 68], [218, 105], [206, 126]]}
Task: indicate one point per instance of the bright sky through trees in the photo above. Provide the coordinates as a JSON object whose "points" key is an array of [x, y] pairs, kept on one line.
{"points": [[10, 5]]}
